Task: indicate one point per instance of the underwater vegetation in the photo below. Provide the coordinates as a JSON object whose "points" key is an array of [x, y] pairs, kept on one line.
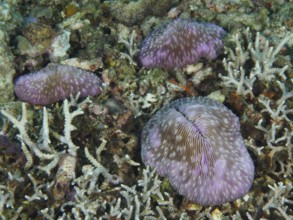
{"points": [[149, 109]]}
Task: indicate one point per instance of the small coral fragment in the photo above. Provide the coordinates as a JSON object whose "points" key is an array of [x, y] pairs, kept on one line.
{"points": [[196, 143], [181, 42], [56, 82]]}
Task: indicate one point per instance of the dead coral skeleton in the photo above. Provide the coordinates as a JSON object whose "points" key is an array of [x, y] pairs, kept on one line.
{"points": [[134, 202], [84, 185], [278, 117], [280, 112], [39, 190], [44, 152], [276, 122], [130, 45], [41, 148], [6, 199], [89, 195], [88, 184], [278, 130], [140, 197], [278, 199], [138, 104], [263, 57]]}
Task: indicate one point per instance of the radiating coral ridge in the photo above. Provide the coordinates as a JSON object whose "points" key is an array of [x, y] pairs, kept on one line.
{"points": [[196, 143], [56, 82], [181, 42]]}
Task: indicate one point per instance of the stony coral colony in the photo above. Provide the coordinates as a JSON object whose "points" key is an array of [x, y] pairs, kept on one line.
{"points": [[196, 142], [56, 82], [181, 42]]}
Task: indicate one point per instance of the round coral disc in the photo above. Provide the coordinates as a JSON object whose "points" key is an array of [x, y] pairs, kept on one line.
{"points": [[196, 143]]}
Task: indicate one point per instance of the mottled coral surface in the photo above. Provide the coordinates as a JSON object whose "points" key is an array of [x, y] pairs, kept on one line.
{"points": [[56, 82], [196, 143], [181, 42]]}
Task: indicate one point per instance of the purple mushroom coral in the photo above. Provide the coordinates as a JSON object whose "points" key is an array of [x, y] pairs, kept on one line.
{"points": [[181, 42], [56, 82], [196, 143]]}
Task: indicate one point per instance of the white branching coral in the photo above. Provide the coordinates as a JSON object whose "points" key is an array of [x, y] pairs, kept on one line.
{"points": [[263, 57], [41, 148], [39, 190], [139, 199], [275, 121], [85, 185], [278, 199], [278, 114], [8, 195], [28, 145], [97, 168], [278, 138], [281, 111], [130, 45], [6, 198], [138, 103], [88, 184], [7, 201], [48, 156], [130, 202], [86, 195], [234, 66]]}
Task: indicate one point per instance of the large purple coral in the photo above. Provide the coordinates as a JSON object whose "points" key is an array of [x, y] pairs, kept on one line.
{"points": [[181, 42], [56, 82], [196, 143]]}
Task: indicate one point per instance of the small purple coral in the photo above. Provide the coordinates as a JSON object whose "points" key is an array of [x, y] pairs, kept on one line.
{"points": [[181, 42], [196, 143], [56, 82]]}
